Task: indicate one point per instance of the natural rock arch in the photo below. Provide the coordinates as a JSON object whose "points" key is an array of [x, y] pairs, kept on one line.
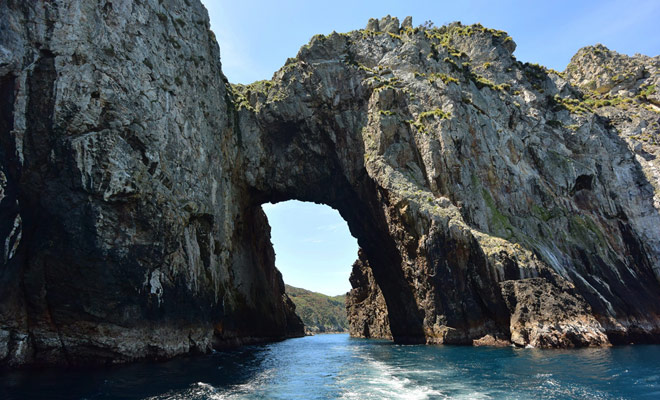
{"points": [[340, 109], [325, 164], [320, 176], [132, 175]]}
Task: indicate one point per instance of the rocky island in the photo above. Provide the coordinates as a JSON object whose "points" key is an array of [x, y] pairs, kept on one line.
{"points": [[494, 201]]}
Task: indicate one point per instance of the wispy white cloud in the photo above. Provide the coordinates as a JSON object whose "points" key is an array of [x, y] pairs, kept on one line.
{"points": [[331, 227]]}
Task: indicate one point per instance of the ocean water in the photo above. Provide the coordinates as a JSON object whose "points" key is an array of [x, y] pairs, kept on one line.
{"points": [[339, 367]]}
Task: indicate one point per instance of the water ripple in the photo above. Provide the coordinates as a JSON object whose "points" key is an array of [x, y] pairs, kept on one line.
{"points": [[338, 367]]}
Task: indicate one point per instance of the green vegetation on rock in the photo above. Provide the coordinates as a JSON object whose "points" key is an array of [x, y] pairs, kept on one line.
{"points": [[319, 313]]}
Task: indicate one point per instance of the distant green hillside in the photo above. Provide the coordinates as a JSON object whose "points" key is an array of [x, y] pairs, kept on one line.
{"points": [[319, 313]]}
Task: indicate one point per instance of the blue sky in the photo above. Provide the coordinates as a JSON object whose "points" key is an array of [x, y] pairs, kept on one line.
{"points": [[257, 37], [314, 249]]}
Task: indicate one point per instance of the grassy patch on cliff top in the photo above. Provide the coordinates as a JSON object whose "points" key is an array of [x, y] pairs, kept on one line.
{"points": [[319, 313]]}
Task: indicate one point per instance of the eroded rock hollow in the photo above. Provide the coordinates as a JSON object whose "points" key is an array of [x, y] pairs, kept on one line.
{"points": [[493, 201]]}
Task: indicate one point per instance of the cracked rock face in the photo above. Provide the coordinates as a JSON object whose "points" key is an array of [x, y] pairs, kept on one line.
{"points": [[473, 183], [366, 309], [493, 201], [626, 91], [124, 228]]}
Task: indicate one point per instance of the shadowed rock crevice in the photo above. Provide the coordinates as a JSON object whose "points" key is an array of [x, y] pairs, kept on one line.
{"points": [[11, 169]]}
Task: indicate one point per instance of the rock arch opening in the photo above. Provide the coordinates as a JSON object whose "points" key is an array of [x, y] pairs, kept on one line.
{"points": [[314, 252], [313, 246], [369, 312], [292, 160]]}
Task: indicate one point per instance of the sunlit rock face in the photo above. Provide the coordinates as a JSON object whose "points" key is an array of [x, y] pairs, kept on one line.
{"points": [[626, 91], [489, 197]]}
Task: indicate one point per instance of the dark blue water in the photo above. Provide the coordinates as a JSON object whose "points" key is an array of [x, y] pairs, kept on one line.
{"points": [[338, 367]]}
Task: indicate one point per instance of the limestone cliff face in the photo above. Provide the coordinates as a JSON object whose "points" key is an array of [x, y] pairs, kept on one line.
{"points": [[489, 199], [125, 231]]}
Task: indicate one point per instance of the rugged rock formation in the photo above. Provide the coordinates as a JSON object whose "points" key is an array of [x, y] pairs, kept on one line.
{"points": [[365, 306], [125, 227], [484, 193], [475, 170], [625, 90], [549, 315]]}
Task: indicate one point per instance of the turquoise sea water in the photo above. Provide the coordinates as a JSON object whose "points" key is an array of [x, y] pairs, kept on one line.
{"points": [[339, 367]]}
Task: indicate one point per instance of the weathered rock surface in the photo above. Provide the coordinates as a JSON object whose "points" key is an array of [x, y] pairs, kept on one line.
{"points": [[125, 230], [366, 307], [460, 169], [547, 315], [625, 90], [486, 195]]}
